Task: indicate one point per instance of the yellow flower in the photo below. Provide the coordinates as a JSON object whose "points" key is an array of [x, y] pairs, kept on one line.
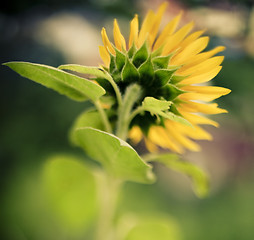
{"points": [[187, 67]]}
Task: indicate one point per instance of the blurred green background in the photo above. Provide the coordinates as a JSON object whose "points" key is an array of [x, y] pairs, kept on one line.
{"points": [[34, 121]]}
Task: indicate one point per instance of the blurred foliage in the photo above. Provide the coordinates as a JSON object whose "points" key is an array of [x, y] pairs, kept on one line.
{"points": [[214, 2]]}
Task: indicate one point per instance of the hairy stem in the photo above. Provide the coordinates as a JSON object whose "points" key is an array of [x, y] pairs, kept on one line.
{"points": [[108, 192], [132, 94]]}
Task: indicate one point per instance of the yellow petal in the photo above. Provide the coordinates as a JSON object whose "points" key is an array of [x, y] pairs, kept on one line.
{"points": [[133, 31], [192, 37], [203, 93], [151, 146], [145, 28], [203, 67], [180, 138], [106, 41], [104, 55], [192, 49], [208, 90], [167, 31], [173, 41], [194, 132], [160, 137], [118, 37], [157, 21], [203, 77], [202, 108], [203, 56], [135, 134], [199, 96], [197, 119]]}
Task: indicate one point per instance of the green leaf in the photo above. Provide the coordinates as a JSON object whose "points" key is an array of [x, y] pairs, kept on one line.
{"points": [[95, 71], [200, 180], [88, 118], [146, 72], [117, 156], [155, 105], [70, 189], [74, 87], [161, 107], [129, 72], [154, 227], [141, 55]]}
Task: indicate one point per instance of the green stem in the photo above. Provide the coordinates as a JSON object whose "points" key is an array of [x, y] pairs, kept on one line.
{"points": [[131, 96], [116, 89], [108, 193], [138, 110], [109, 187], [104, 117]]}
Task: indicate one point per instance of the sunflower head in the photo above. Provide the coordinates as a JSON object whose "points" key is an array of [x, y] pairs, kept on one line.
{"points": [[170, 67]]}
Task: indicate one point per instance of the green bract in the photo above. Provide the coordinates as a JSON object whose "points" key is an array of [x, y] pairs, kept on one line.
{"points": [[156, 79], [140, 66]]}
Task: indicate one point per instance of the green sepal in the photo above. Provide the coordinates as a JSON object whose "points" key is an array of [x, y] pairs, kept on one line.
{"points": [[141, 55], [170, 92], [157, 52], [174, 110], [129, 73], [162, 77], [132, 51], [117, 76], [161, 62], [112, 64], [200, 180], [72, 86], [177, 78], [117, 157], [146, 72], [120, 60]]}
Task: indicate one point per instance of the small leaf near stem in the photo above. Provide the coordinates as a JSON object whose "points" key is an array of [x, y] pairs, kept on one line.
{"points": [[157, 107]]}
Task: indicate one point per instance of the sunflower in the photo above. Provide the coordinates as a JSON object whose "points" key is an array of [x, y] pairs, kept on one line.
{"points": [[169, 65]]}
